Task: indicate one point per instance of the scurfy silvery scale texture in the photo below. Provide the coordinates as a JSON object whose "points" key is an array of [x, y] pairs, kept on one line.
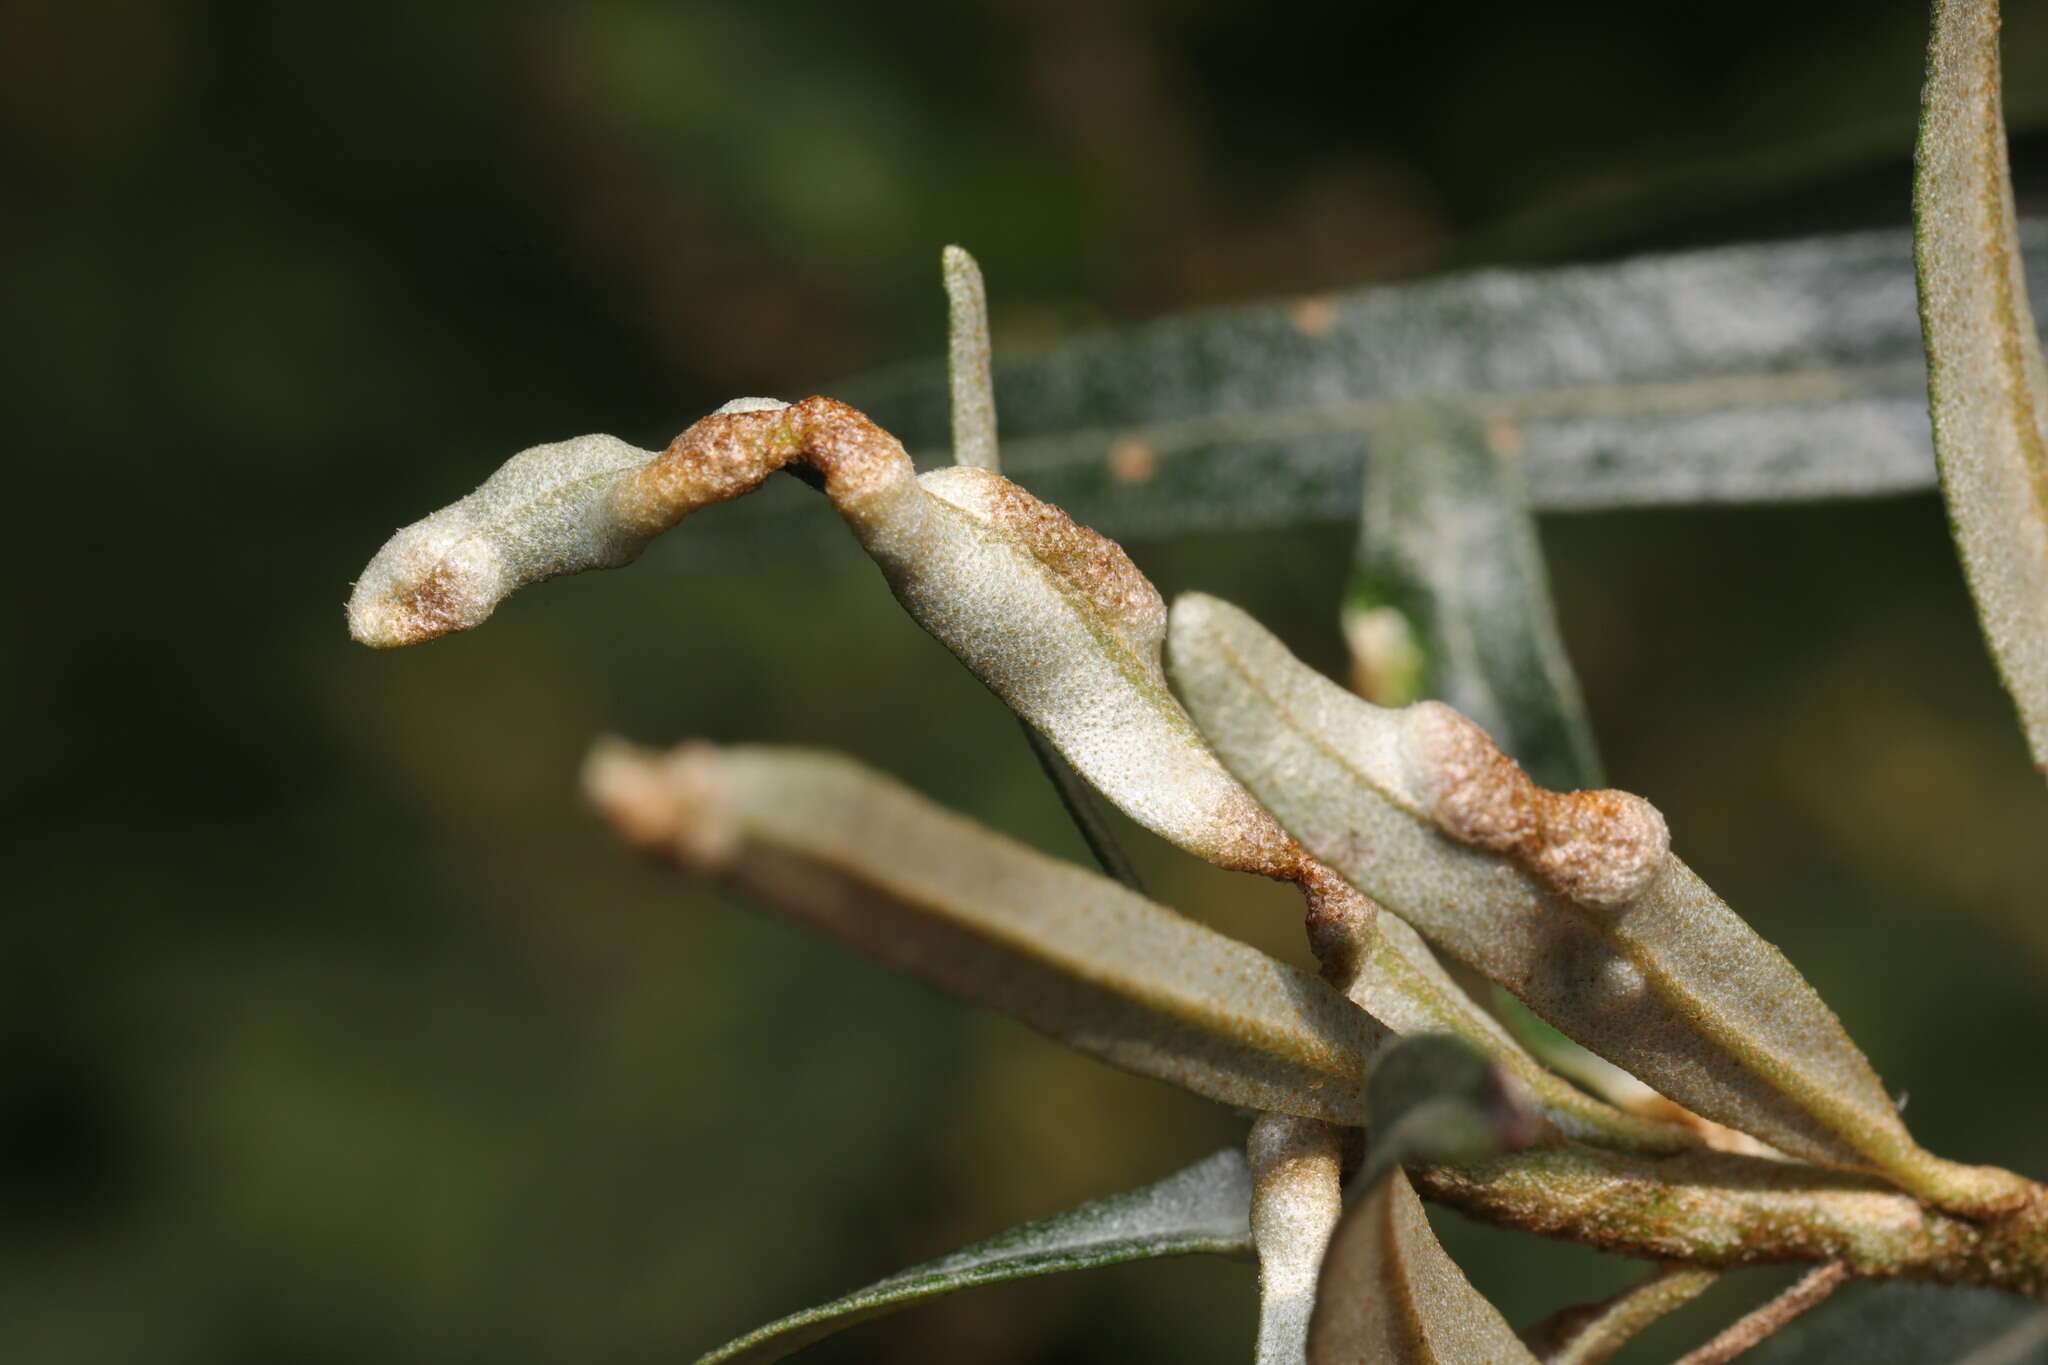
{"points": [[1580, 906]]}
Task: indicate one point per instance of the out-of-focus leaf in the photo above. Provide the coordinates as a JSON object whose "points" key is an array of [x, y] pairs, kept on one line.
{"points": [[1199, 1209], [1775, 372], [901, 880], [1902, 1323], [1986, 385], [1448, 599], [1448, 555], [1388, 1292], [1590, 1334], [1574, 903]]}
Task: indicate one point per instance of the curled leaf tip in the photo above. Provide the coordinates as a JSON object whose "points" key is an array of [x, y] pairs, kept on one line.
{"points": [[672, 805], [1599, 849], [547, 511]]}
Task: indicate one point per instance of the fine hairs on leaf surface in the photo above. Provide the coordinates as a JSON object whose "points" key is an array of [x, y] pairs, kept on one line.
{"points": [[1986, 385], [1638, 960], [1202, 1209], [1400, 823]]}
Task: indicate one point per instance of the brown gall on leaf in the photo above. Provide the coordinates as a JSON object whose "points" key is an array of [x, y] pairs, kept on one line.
{"points": [[1599, 849], [1090, 563], [734, 450]]}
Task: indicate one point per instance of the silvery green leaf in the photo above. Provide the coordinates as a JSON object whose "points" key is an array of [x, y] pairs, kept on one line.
{"points": [[967, 362], [1449, 575], [1297, 1197], [1199, 1209], [1987, 389], [546, 512], [846, 851], [1571, 901], [1771, 372]]}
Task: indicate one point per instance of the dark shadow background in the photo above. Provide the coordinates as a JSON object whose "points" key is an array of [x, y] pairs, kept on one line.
{"points": [[335, 1029]]}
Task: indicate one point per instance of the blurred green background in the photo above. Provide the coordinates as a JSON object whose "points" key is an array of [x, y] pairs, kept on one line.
{"points": [[335, 1028]]}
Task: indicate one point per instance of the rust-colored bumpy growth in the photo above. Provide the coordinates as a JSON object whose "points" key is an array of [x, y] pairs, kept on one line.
{"points": [[733, 451], [1600, 849], [1081, 555]]}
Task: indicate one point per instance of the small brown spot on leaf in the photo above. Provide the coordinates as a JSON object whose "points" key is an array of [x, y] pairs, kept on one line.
{"points": [[1132, 461], [1505, 437], [1313, 316]]}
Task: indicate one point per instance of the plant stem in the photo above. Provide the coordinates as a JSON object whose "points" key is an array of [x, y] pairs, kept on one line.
{"points": [[1753, 1327]]}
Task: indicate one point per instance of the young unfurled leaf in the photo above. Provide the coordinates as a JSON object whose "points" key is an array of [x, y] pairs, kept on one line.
{"points": [[1573, 902], [967, 362], [1986, 385], [1387, 1291], [901, 880], [1199, 1209], [1297, 1196]]}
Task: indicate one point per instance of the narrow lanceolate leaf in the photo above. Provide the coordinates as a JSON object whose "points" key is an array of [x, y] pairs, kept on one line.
{"points": [[967, 362], [1755, 373], [1297, 1197], [1076, 956], [1987, 389], [1571, 901], [1448, 597], [1054, 618], [1200, 1209]]}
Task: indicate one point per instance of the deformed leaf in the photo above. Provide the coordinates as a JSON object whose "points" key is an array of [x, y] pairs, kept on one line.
{"points": [[967, 362], [901, 880], [1199, 1209], [1987, 389], [1573, 902], [1448, 599], [1053, 618]]}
